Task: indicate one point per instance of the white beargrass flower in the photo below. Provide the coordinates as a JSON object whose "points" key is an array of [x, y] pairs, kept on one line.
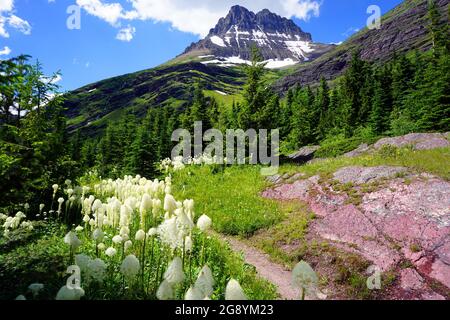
{"points": [[21, 297], [156, 206], [188, 244], [152, 232], [98, 235], [35, 288], [117, 239], [204, 223], [304, 278], [130, 266], [110, 252], [86, 219], [66, 293], [70, 192], [205, 282], [169, 204], [234, 291], [96, 205], [174, 273], [165, 291], [60, 202], [124, 231], [101, 246], [55, 189], [193, 294], [72, 240], [79, 229], [140, 235], [41, 207], [168, 233], [127, 245]]}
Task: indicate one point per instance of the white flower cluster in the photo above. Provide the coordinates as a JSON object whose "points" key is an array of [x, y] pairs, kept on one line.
{"points": [[179, 163], [12, 223], [93, 270]]}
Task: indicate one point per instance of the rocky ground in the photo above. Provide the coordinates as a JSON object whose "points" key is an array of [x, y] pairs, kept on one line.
{"points": [[397, 220]]}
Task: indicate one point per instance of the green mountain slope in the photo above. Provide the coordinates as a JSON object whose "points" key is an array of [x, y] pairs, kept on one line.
{"points": [[403, 29], [92, 106]]}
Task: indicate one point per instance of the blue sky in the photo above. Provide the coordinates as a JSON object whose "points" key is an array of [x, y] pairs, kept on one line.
{"points": [[156, 30]]}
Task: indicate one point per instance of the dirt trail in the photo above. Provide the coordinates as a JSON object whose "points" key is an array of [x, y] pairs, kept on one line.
{"points": [[272, 272]]}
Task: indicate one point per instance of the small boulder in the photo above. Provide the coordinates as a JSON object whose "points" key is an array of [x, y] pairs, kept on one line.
{"points": [[360, 175], [358, 151], [419, 141], [305, 154]]}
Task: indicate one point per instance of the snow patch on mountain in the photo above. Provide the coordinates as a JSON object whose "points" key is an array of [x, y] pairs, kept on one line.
{"points": [[218, 41]]}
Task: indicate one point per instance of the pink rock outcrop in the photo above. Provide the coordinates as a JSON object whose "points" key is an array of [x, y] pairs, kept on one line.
{"points": [[397, 222]]}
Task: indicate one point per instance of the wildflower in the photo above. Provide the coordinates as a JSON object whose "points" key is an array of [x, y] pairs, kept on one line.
{"points": [[146, 204], [140, 235], [86, 219], [117, 239], [66, 293], [60, 202], [26, 206], [168, 233], [130, 266], [21, 297], [169, 204], [152, 232], [35, 288], [95, 270], [188, 244], [205, 282], [304, 278], [124, 231], [156, 206], [165, 291], [79, 229], [127, 245], [70, 192], [101, 246], [97, 205], [204, 223], [41, 207], [174, 274], [55, 189], [234, 291], [72, 240], [110, 252], [193, 294], [98, 235]]}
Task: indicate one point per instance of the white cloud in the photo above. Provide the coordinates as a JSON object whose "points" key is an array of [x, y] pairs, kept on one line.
{"points": [[110, 12], [126, 34], [8, 19], [6, 5], [19, 24], [5, 51], [195, 16]]}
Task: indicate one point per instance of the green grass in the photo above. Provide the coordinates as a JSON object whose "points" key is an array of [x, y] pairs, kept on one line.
{"points": [[285, 242], [436, 161], [230, 198]]}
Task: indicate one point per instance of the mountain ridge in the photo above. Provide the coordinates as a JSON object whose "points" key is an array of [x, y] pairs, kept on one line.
{"points": [[278, 38]]}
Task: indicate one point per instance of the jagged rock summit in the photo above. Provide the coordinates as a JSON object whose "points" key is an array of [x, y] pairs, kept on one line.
{"points": [[280, 41]]}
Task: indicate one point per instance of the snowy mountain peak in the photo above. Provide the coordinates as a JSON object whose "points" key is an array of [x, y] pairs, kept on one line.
{"points": [[280, 41]]}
